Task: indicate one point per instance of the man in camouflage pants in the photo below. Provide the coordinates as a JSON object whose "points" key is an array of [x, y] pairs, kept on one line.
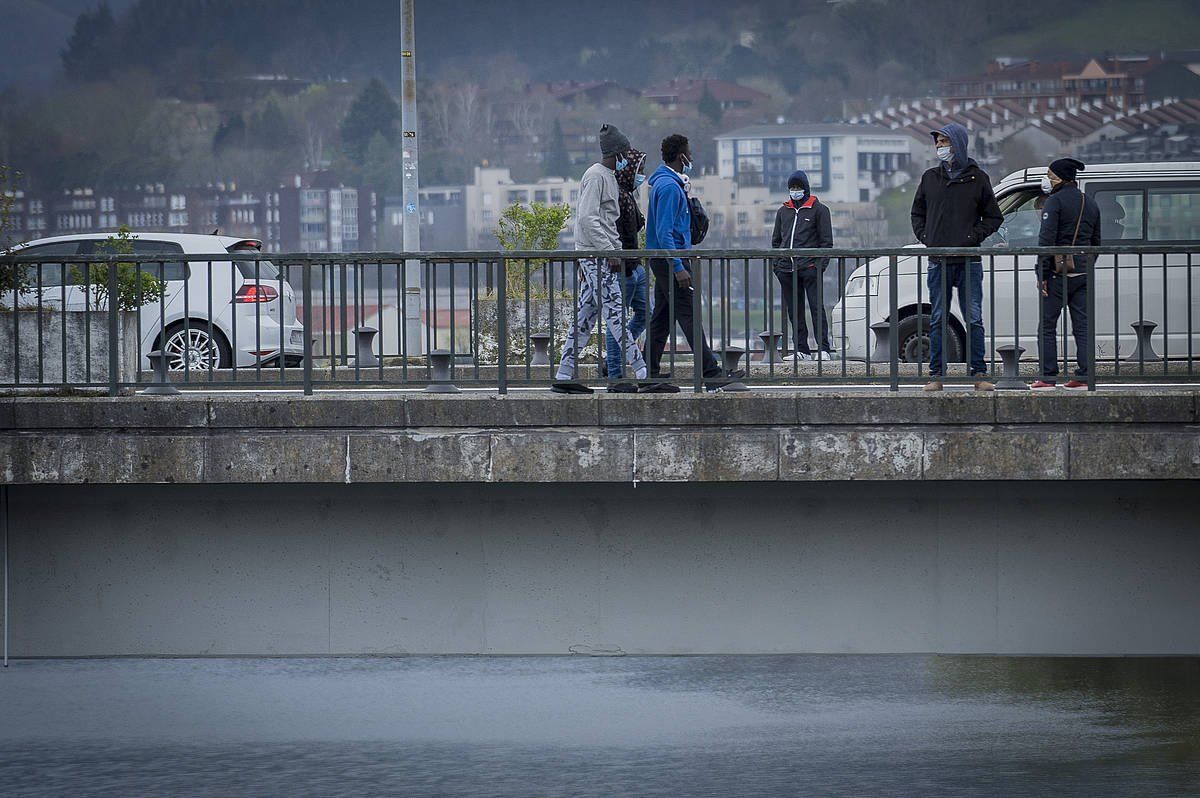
{"points": [[600, 287]]}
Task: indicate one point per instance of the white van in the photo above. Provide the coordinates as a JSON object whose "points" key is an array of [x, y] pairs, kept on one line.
{"points": [[1140, 204], [251, 310]]}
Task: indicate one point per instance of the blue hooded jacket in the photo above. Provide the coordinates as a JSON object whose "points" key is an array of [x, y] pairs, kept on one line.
{"points": [[668, 218], [959, 139]]}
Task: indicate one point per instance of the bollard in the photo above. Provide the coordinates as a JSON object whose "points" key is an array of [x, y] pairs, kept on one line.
{"points": [[1144, 351], [1010, 356], [162, 384], [439, 360], [541, 349], [883, 342], [770, 346], [732, 356], [364, 340]]}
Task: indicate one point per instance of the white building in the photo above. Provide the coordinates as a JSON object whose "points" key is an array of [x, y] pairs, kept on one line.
{"points": [[844, 162], [493, 190]]}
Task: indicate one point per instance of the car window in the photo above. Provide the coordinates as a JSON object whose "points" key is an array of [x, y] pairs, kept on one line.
{"points": [[168, 270], [52, 274], [1173, 214], [1022, 219], [266, 269], [1121, 214]]}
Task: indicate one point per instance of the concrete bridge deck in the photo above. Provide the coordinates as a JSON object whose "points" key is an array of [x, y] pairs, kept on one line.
{"points": [[767, 436]]}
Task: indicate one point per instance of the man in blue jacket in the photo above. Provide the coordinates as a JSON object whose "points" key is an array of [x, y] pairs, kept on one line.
{"points": [[669, 226]]}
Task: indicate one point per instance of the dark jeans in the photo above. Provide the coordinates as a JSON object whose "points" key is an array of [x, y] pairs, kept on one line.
{"points": [[963, 280], [660, 321], [1052, 306], [794, 287]]}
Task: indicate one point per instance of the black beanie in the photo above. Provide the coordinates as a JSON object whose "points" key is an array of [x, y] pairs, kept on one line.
{"points": [[612, 141], [1066, 168]]}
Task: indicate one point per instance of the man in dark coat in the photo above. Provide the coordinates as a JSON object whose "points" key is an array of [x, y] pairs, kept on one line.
{"points": [[803, 223], [1069, 218], [955, 207]]}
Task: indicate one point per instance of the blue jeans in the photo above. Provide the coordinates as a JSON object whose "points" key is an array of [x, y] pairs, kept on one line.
{"points": [[956, 280], [633, 292]]}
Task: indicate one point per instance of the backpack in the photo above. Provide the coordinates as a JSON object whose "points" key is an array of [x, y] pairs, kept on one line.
{"points": [[699, 220]]}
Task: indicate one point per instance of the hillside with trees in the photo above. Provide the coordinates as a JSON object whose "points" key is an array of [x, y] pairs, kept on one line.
{"points": [[196, 91]]}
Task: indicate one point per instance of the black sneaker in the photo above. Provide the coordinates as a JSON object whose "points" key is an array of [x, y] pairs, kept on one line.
{"points": [[657, 387], [623, 387], [564, 386], [659, 375]]}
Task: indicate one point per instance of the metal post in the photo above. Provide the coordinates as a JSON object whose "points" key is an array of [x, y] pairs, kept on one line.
{"points": [[894, 319], [306, 303], [409, 182], [4, 520], [114, 330]]}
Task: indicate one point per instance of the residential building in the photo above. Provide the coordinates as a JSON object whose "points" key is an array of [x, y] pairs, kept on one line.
{"points": [[844, 162], [681, 97], [493, 190]]}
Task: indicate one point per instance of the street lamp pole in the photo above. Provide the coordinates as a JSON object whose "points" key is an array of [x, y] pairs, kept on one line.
{"points": [[410, 186]]}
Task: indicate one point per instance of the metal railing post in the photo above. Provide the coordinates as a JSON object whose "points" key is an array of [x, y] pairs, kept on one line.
{"points": [[306, 304], [502, 328], [894, 319], [114, 334], [697, 335]]}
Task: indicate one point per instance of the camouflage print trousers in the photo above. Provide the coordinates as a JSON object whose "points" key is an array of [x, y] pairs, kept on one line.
{"points": [[599, 293]]}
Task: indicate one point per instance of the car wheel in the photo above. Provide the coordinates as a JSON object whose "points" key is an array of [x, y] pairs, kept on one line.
{"points": [[914, 340], [192, 347]]}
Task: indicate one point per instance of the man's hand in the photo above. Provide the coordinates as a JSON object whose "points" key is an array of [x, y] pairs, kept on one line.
{"points": [[1044, 292], [683, 278]]}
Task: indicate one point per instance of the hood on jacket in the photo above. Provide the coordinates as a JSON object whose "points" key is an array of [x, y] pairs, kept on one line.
{"points": [[808, 202], [799, 177], [664, 172], [958, 139]]}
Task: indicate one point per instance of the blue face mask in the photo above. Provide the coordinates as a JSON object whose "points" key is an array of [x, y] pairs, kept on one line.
{"points": [[796, 195], [621, 163], [638, 179], [687, 166]]}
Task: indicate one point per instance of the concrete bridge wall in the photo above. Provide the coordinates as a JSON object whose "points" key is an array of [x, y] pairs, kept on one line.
{"points": [[907, 566]]}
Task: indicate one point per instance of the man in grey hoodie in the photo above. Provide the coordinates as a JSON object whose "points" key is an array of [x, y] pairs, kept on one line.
{"points": [[600, 288]]}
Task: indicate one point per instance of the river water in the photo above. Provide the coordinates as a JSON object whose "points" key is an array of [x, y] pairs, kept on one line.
{"points": [[653, 726]]}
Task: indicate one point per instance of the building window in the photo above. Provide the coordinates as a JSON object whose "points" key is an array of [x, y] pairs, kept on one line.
{"points": [[864, 195], [743, 218]]}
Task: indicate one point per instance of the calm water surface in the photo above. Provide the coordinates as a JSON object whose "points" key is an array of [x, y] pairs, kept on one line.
{"points": [[655, 726]]}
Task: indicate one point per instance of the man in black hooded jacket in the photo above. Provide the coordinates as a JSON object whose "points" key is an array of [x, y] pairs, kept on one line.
{"points": [[955, 207], [1069, 218], [803, 223]]}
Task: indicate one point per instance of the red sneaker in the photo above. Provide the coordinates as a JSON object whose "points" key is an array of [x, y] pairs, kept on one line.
{"points": [[1042, 385], [1075, 385]]}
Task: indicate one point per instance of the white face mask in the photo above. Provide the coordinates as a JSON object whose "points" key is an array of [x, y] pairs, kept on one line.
{"points": [[944, 154], [796, 195], [1046, 185]]}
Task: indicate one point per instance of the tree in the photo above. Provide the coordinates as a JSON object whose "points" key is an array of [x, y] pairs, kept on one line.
{"points": [[14, 279], [709, 107], [557, 161], [373, 111], [381, 168], [136, 283], [85, 55], [524, 228]]}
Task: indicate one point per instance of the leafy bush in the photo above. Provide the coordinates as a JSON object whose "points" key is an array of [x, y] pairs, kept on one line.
{"points": [[135, 286], [531, 227]]}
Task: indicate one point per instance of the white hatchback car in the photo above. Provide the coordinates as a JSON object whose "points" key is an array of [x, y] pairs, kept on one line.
{"points": [[1140, 204], [251, 309]]}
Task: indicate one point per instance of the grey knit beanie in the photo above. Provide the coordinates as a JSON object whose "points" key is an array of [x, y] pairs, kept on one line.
{"points": [[612, 141]]}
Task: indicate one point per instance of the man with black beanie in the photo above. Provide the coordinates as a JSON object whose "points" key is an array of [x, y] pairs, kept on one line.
{"points": [[1069, 218]]}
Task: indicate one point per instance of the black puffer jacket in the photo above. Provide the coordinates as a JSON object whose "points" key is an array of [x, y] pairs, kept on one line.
{"points": [[1059, 217], [805, 225], [955, 212]]}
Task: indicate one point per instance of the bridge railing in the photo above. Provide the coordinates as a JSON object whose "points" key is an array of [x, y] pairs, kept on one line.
{"points": [[499, 320]]}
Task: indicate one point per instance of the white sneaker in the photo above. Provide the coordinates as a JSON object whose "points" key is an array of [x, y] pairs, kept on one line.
{"points": [[803, 357], [823, 355]]}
